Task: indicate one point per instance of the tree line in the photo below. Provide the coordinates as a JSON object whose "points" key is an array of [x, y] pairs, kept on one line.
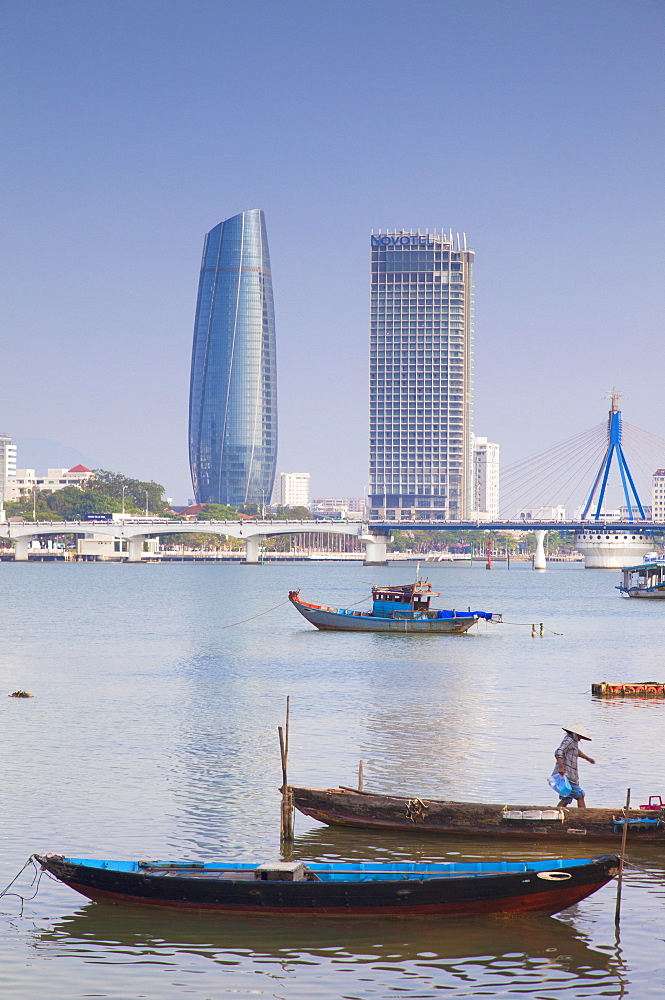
{"points": [[103, 493]]}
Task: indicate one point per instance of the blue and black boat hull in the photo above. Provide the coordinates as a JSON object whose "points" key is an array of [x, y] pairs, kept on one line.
{"points": [[341, 890]]}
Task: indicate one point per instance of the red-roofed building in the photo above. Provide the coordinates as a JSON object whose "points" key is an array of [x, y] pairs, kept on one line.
{"points": [[192, 512], [25, 480]]}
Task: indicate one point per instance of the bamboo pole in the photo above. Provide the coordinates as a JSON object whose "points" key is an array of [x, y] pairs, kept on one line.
{"points": [[286, 812], [617, 912], [288, 712], [360, 776]]}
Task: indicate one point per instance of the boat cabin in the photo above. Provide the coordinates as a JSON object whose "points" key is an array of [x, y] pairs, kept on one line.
{"points": [[644, 580], [404, 601]]}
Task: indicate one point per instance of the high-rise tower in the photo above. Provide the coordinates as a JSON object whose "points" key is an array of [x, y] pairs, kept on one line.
{"points": [[7, 466], [421, 450], [233, 387]]}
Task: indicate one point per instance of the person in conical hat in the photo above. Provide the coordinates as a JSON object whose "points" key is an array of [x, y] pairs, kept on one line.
{"points": [[566, 756]]}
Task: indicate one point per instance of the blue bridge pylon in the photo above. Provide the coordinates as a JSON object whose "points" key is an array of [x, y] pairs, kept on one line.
{"points": [[614, 448]]}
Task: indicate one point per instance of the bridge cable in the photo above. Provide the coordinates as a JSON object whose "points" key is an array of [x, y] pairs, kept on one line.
{"points": [[516, 474], [585, 458]]}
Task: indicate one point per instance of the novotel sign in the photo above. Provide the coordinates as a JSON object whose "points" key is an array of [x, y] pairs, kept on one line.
{"points": [[404, 241]]}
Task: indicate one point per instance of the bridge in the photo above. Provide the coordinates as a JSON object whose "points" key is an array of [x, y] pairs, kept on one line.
{"points": [[375, 535], [554, 475], [136, 531]]}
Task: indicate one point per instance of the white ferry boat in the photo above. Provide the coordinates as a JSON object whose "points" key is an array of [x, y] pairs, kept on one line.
{"points": [[647, 579]]}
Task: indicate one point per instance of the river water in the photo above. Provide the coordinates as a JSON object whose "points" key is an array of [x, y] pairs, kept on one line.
{"points": [[153, 733]]}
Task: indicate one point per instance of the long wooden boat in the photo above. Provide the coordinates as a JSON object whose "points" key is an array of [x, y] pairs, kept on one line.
{"points": [[399, 889], [647, 579], [346, 807], [402, 609]]}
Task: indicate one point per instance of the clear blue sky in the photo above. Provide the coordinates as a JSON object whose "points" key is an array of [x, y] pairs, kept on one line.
{"points": [[131, 128]]}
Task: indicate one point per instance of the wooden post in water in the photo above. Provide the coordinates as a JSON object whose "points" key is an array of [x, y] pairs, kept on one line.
{"points": [[488, 564], [286, 814], [617, 912], [360, 776]]}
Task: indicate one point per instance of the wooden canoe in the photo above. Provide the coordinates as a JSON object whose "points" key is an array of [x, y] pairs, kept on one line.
{"points": [[346, 807]]}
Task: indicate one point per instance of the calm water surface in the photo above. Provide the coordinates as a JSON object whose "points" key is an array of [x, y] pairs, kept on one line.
{"points": [[153, 733]]}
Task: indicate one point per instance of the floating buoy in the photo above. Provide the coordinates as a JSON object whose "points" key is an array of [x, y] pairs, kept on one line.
{"points": [[20, 694]]}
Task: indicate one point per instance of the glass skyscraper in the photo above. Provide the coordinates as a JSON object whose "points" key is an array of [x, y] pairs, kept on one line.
{"points": [[421, 450], [233, 387]]}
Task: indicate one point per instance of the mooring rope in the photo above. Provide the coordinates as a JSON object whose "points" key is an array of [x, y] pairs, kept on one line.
{"points": [[24, 899], [233, 624], [531, 625]]}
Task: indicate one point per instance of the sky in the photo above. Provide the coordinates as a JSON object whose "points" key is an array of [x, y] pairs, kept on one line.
{"points": [[130, 129]]}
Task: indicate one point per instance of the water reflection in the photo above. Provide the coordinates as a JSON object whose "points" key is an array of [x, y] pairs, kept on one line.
{"points": [[644, 861], [545, 945]]}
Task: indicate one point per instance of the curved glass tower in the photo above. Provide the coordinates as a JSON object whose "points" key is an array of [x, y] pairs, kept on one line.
{"points": [[233, 387]]}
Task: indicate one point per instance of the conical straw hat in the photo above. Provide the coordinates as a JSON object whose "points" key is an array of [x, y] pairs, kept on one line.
{"points": [[579, 729]]}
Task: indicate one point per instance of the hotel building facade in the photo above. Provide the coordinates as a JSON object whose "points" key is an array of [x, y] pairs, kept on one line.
{"points": [[658, 495], [294, 489], [421, 355], [485, 479], [233, 385]]}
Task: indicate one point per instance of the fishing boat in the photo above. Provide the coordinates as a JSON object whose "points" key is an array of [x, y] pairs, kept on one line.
{"points": [[399, 889], [403, 609], [348, 807], [647, 579]]}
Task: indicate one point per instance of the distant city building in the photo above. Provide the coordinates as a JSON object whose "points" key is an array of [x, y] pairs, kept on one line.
{"points": [[485, 478], [546, 513], [26, 481], [421, 458], [658, 495], [294, 489], [7, 465], [233, 386], [622, 513], [350, 508]]}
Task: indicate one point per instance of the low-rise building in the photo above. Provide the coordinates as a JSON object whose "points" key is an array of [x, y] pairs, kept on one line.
{"points": [[545, 513], [26, 481], [348, 508]]}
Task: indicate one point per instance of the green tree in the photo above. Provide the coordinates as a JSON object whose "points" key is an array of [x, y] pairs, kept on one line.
{"points": [[33, 506], [138, 495], [218, 512], [292, 514], [73, 503]]}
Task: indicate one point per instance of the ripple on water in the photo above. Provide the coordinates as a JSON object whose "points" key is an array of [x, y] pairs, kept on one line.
{"points": [[154, 733]]}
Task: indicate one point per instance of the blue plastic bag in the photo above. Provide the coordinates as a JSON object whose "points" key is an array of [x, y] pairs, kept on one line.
{"points": [[560, 784]]}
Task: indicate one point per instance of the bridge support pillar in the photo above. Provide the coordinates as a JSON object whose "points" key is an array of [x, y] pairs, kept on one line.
{"points": [[539, 561], [375, 550], [21, 547], [135, 549], [253, 548]]}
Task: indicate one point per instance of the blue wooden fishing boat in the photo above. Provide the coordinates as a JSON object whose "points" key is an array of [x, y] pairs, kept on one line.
{"points": [[399, 889], [403, 609]]}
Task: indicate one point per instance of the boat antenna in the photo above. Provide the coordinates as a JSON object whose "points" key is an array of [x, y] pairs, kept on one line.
{"points": [[417, 571]]}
